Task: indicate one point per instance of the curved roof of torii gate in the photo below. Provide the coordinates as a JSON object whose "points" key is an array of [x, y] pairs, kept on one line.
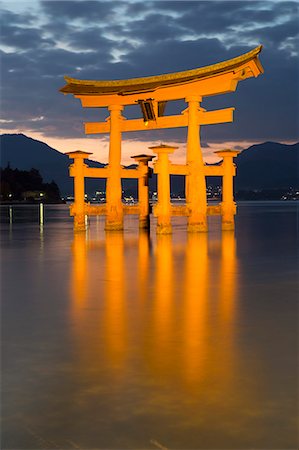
{"points": [[133, 85]]}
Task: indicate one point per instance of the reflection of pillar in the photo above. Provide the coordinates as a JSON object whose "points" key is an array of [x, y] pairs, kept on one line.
{"points": [[115, 308], [143, 196], [196, 197], [226, 352], [41, 225], [77, 171], [79, 273], [164, 303], [10, 221], [163, 207], [144, 245], [228, 275], [10, 215], [41, 214], [114, 217], [195, 323], [228, 206]]}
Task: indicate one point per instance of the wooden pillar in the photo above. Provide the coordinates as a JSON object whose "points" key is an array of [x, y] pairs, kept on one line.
{"points": [[228, 206], [114, 215], [77, 171], [163, 208], [143, 195], [196, 196]]}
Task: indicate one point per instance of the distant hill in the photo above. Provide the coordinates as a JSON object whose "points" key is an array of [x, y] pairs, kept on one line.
{"points": [[269, 165], [23, 153]]}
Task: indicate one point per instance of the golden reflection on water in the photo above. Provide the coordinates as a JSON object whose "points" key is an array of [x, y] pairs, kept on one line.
{"points": [[156, 328], [172, 309], [195, 305], [79, 280], [116, 309], [228, 276], [168, 339], [144, 249], [163, 304]]}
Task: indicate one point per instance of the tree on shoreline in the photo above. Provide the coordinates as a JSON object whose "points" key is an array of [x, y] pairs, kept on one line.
{"points": [[26, 185]]}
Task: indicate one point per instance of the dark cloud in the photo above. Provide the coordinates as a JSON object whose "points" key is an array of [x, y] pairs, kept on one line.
{"points": [[114, 40], [90, 39], [211, 17], [139, 9], [9, 17], [156, 27], [23, 38], [275, 36], [88, 11]]}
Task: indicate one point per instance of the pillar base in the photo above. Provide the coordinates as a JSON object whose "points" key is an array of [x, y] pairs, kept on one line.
{"points": [[197, 227], [144, 222], [79, 222], [164, 228], [114, 226], [228, 225], [228, 211]]}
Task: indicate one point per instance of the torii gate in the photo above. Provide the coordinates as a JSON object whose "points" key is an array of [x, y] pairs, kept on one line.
{"points": [[152, 93]]}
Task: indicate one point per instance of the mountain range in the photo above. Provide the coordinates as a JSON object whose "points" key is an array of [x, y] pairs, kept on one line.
{"points": [[269, 165]]}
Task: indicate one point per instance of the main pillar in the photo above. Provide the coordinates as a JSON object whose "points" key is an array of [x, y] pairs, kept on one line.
{"points": [[196, 196], [77, 171], [163, 208], [228, 206], [143, 195], [114, 215]]}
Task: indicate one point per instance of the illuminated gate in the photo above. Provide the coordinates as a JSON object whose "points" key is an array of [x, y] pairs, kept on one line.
{"points": [[152, 94]]}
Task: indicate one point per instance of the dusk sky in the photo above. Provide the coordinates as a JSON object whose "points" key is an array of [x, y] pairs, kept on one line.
{"points": [[41, 41]]}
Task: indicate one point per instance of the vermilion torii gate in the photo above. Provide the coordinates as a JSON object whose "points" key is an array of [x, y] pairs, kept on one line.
{"points": [[152, 94]]}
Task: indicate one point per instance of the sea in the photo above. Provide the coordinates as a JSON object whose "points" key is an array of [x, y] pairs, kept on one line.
{"points": [[136, 341]]}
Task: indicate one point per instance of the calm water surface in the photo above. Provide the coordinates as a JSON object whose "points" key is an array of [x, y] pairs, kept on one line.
{"points": [[128, 341]]}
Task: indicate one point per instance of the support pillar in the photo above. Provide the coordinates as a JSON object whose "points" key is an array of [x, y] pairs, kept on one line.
{"points": [[143, 195], [228, 206], [114, 214], [196, 196], [163, 208], [77, 171]]}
